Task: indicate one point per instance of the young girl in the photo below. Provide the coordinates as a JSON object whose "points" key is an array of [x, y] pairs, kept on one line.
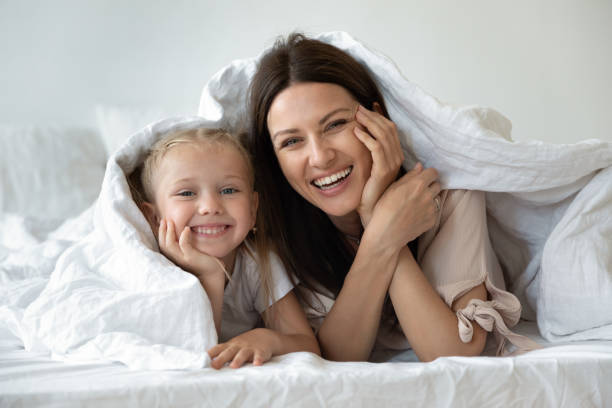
{"points": [[196, 190]]}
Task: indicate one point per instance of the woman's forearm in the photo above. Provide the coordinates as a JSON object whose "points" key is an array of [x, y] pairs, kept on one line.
{"points": [[429, 324], [349, 331]]}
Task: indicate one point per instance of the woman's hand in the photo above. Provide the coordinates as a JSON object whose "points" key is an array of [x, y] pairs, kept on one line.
{"points": [[387, 156], [256, 345], [182, 252], [406, 209]]}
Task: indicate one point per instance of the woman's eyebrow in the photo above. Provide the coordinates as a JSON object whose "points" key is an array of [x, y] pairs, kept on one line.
{"points": [[280, 132], [323, 120], [332, 113]]}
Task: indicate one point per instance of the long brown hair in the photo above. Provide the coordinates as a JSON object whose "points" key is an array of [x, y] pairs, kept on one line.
{"points": [[310, 246]]}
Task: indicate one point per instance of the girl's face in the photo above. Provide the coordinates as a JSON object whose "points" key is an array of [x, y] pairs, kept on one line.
{"points": [[206, 187], [311, 125]]}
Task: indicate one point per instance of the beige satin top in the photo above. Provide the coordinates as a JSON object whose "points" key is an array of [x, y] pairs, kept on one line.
{"points": [[456, 256]]}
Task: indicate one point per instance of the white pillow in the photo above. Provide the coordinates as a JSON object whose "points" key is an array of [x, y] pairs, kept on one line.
{"points": [[49, 172], [116, 124]]}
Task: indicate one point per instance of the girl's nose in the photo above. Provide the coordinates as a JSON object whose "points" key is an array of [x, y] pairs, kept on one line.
{"points": [[209, 204], [321, 154]]}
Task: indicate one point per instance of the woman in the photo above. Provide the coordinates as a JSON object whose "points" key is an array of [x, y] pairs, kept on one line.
{"points": [[350, 224]]}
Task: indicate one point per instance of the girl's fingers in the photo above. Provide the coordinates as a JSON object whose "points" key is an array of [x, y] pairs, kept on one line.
{"points": [[216, 350], [170, 235], [241, 357], [161, 233], [259, 358], [185, 240], [224, 356]]}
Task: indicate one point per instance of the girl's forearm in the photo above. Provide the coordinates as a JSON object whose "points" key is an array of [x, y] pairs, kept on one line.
{"points": [[214, 287], [289, 343]]}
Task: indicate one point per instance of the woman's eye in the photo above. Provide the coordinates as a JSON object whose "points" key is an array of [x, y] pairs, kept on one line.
{"points": [[228, 190], [289, 142], [186, 194], [336, 124]]}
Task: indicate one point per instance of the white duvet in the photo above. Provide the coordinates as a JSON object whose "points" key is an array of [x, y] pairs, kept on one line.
{"points": [[549, 206], [97, 289]]}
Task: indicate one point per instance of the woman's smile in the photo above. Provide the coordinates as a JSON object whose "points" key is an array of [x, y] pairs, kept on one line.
{"points": [[312, 126], [329, 182]]}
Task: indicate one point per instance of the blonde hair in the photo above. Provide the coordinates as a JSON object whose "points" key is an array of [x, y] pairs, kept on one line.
{"points": [[190, 136], [142, 181]]}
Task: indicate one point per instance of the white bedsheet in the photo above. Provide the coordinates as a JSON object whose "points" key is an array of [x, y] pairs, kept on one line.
{"points": [[573, 375], [97, 288], [549, 206]]}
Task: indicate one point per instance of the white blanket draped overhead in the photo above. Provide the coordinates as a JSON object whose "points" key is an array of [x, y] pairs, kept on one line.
{"points": [[108, 292], [549, 206]]}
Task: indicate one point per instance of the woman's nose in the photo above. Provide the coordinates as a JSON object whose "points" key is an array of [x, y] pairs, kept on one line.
{"points": [[209, 204], [320, 153]]}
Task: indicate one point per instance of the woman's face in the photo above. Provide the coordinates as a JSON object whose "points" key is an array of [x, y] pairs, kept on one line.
{"points": [[311, 125]]}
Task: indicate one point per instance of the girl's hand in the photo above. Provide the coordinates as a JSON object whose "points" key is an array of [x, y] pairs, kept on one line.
{"points": [[182, 253], [387, 156], [256, 345], [407, 208]]}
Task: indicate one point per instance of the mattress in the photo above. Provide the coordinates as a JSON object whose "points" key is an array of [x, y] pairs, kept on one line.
{"points": [[577, 374]]}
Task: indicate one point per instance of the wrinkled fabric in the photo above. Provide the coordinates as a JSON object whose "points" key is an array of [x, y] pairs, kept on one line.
{"points": [[548, 206], [97, 288]]}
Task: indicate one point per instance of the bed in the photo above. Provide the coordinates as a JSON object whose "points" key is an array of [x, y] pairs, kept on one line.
{"points": [[562, 375], [51, 176]]}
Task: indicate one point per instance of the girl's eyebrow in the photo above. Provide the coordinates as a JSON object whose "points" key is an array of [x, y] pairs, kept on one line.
{"points": [[323, 120]]}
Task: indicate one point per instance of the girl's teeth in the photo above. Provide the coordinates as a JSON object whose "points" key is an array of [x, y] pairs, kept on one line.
{"points": [[209, 231]]}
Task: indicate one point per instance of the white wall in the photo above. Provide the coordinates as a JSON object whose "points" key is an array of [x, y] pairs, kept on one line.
{"points": [[544, 64]]}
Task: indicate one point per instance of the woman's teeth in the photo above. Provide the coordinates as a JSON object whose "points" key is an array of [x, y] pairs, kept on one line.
{"points": [[325, 183]]}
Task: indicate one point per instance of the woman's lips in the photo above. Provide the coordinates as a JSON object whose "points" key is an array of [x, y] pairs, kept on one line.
{"points": [[333, 180]]}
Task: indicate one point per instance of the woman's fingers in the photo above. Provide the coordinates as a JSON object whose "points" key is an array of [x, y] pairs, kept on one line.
{"points": [[384, 131], [420, 177], [373, 145], [435, 189]]}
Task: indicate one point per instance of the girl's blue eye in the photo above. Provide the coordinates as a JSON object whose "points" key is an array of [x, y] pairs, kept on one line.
{"points": [[186, 194], [228, 190]]}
